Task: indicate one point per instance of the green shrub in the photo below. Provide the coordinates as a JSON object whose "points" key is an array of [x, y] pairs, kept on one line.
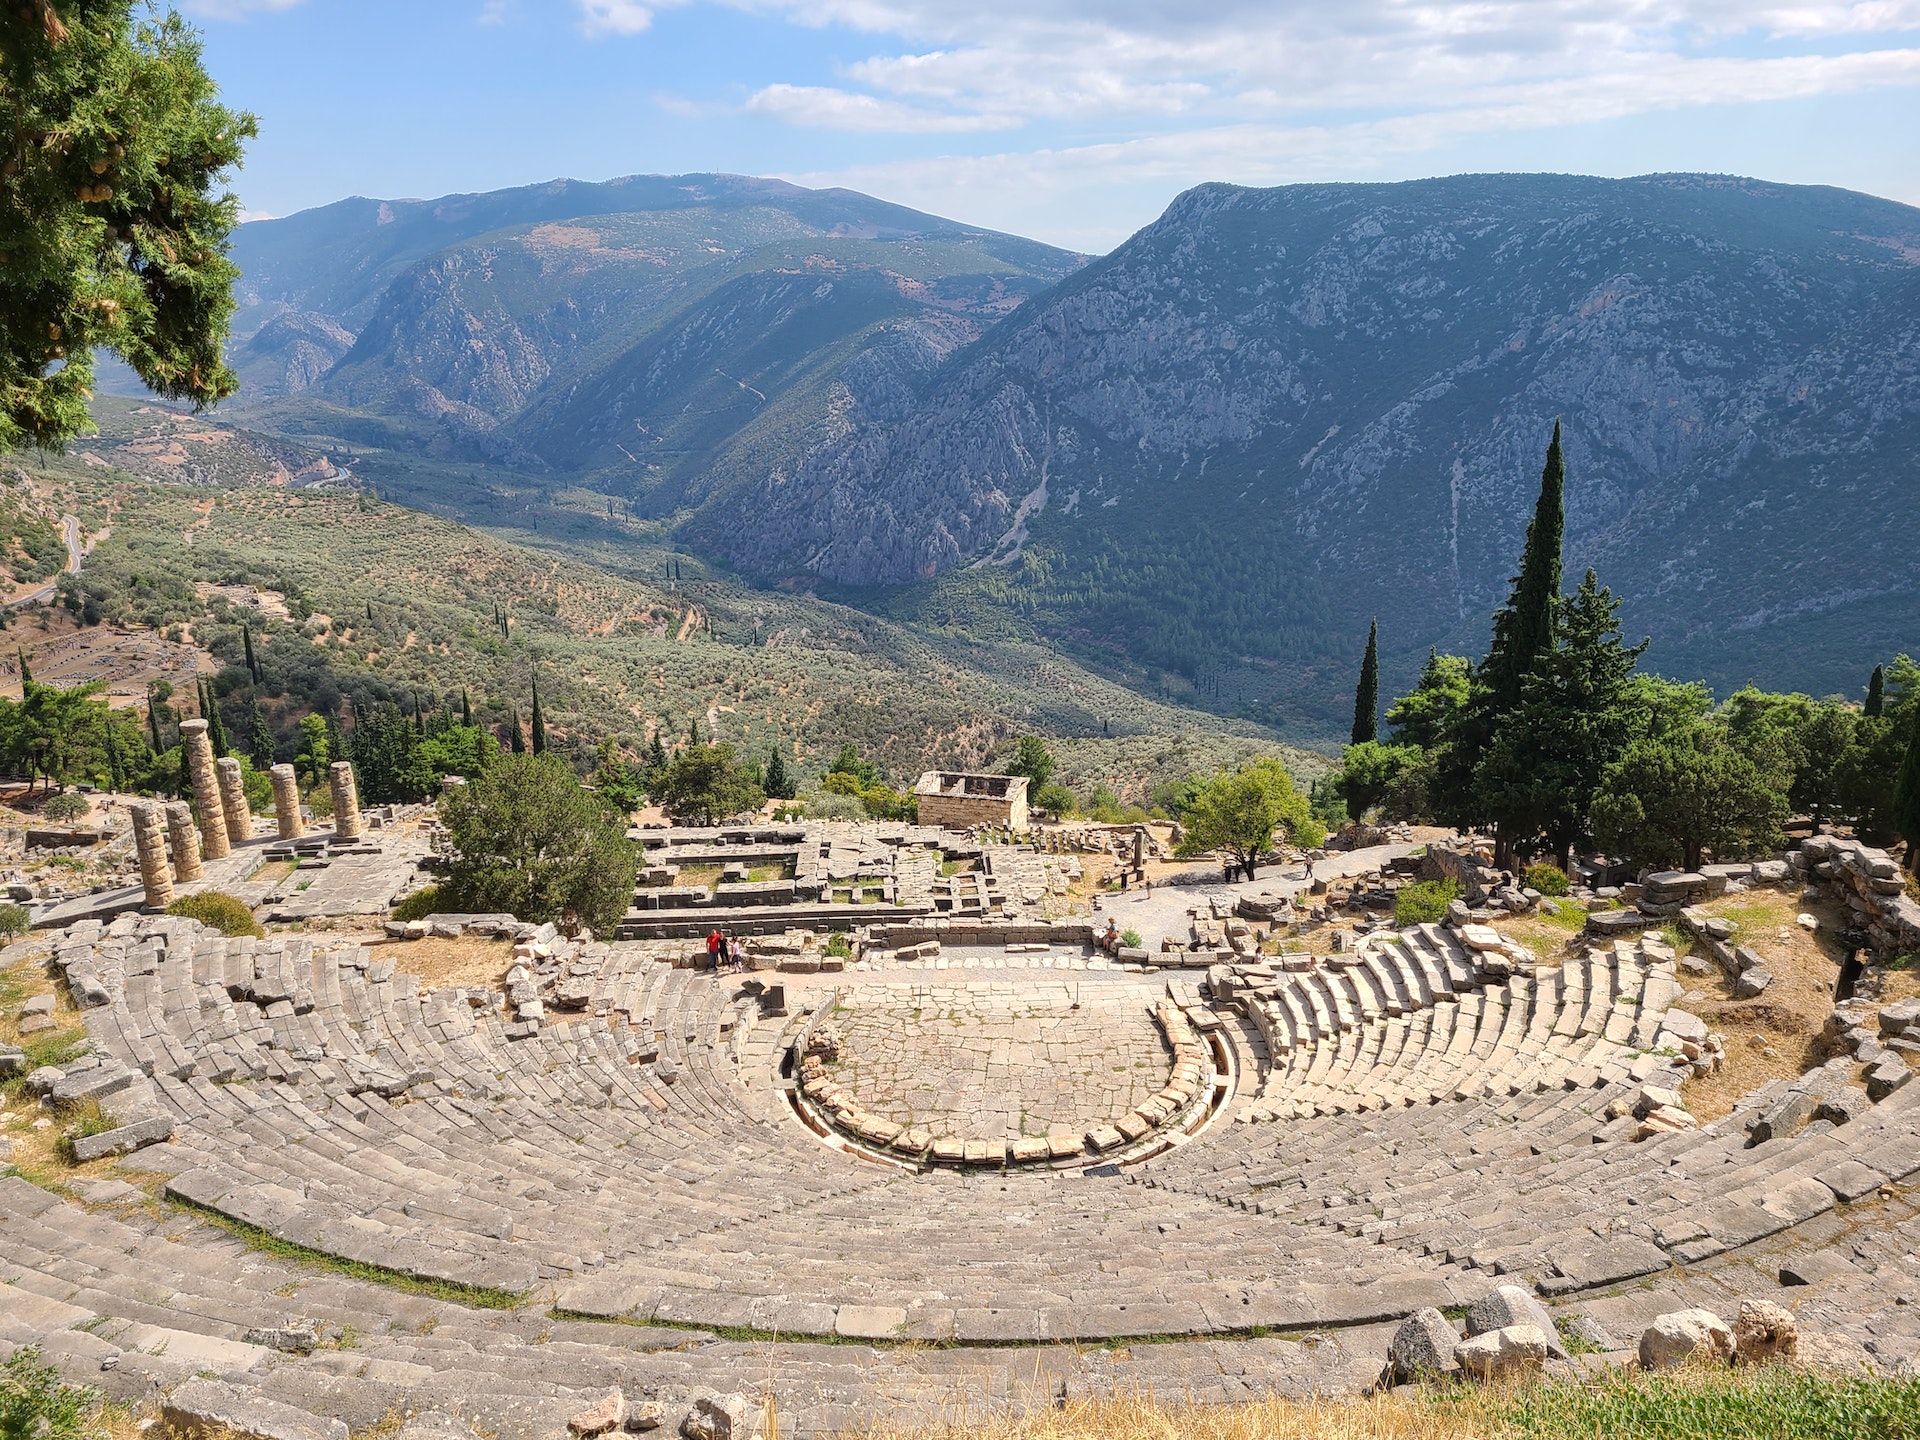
{"points": [[67, 805], [837, 944], [34, 1402], [15, 920], [226, 913], [1424, 903], [1130, 939], [1054, 798], [1547, 879], [420, 904]]}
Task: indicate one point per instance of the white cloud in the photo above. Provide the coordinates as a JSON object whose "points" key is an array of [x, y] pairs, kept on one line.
{"points": [[826, 108], [614, 17], [492, 12]]}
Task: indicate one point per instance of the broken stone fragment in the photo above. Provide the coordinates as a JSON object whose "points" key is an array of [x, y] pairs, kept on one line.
{"points": [[1763, 1332], [1497, 1354], [1510, 1305], [1423, 1345], [609, 1414], [1683, 1335]]}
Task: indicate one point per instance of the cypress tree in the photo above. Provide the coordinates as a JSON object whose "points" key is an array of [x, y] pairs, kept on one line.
{"points": [[693, 733], [153, 724], [1876, 692], [1366, 698], [775, 782], [1523, 630], [539, 723], [369, 612], [253, 669], [216, 732], [516, 742], [656, 756], [259, 738], [466, 708], [114, 767], [1906, 795], [26, 674]]}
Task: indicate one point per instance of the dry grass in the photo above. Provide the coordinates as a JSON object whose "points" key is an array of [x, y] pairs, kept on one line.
{"points": [[1141, 1417], [468, 961], [1776, 1036], [1548, 931]]}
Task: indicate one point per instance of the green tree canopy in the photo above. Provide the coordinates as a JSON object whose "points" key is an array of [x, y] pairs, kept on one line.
{"points": [[1575, 717], [705, 783], [1670, 798], [1032, 759], [527, 838], [113, 223], [1425, 715], [1239, 813], [776, 781], [848, 762], [1370, 770]]}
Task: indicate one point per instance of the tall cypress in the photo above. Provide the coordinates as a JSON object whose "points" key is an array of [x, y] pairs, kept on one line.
{"points": [[259, 738], [516, 742], [1366, 698], [539, 723], [1876, 692], [466, 708], [776, 782], [26, 674], [1906, 795], [216, 732], [1523, 629], [253, 668], [114, 768]]}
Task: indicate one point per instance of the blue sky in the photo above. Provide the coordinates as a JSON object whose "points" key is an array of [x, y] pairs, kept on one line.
{"points": [[1072, 121]]}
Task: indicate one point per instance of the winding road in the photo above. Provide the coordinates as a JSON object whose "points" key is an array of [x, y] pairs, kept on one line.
{"points": [[70, 530]]}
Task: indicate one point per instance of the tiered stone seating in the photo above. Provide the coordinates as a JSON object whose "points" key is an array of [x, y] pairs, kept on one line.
{"points": [[1448, 1121], [1410, 1020]]}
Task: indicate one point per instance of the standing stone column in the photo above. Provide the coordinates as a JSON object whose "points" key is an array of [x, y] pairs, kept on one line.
{"points": [[233, 799], [150, 842], [186, 844], [286, 802], [346, 802], [206, 788]]}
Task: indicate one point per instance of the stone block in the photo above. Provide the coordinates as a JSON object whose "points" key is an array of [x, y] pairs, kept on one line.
{"points": [[869, 1322], [609, 1414], [1499, 1354], [203, 1409], [1751, 983], [1885, 1076], [1764, 1332], [1510, 1305], [1423, 1345], [1682, 1335], [1898, 1016], [124, 1139]]}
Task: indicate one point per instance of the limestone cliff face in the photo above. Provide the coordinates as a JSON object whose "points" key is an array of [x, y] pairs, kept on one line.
{"points": [[1356, 384]]}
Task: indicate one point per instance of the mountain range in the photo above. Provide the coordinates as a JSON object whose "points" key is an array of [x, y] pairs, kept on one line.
{"points": [[1200, 463]]}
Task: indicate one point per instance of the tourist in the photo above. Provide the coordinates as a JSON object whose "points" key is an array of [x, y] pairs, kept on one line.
{"points": [[715, 942]]}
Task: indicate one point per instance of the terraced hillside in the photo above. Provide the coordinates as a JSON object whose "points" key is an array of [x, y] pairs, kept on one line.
{"points": [[370, 598]]}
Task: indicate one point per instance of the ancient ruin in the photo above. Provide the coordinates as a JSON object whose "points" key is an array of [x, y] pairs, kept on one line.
{"points": [[943, 1114]]}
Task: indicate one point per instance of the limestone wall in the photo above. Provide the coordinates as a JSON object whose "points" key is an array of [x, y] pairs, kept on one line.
{"points": [[1868, 882]]}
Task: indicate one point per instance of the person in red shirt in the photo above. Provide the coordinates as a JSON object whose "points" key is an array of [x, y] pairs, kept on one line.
{"points": [[713, 949]]}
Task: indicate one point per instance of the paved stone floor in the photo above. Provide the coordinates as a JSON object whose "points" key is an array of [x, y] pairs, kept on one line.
{"points": [[990, 1060]]}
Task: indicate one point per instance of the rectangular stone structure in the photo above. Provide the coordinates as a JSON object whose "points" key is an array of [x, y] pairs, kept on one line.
{"points": [[150, 844], [346, 802], [286, 802], [233, 799], [185, 843], [206, 789]]}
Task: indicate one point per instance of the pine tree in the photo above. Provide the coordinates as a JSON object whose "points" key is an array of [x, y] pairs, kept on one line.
{"points": [[253, 668], [259, 738], [539, 723], [1906, 794], [1876, 693], [656, 757], [1366, 697], [516, 742], [466, 708]]}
